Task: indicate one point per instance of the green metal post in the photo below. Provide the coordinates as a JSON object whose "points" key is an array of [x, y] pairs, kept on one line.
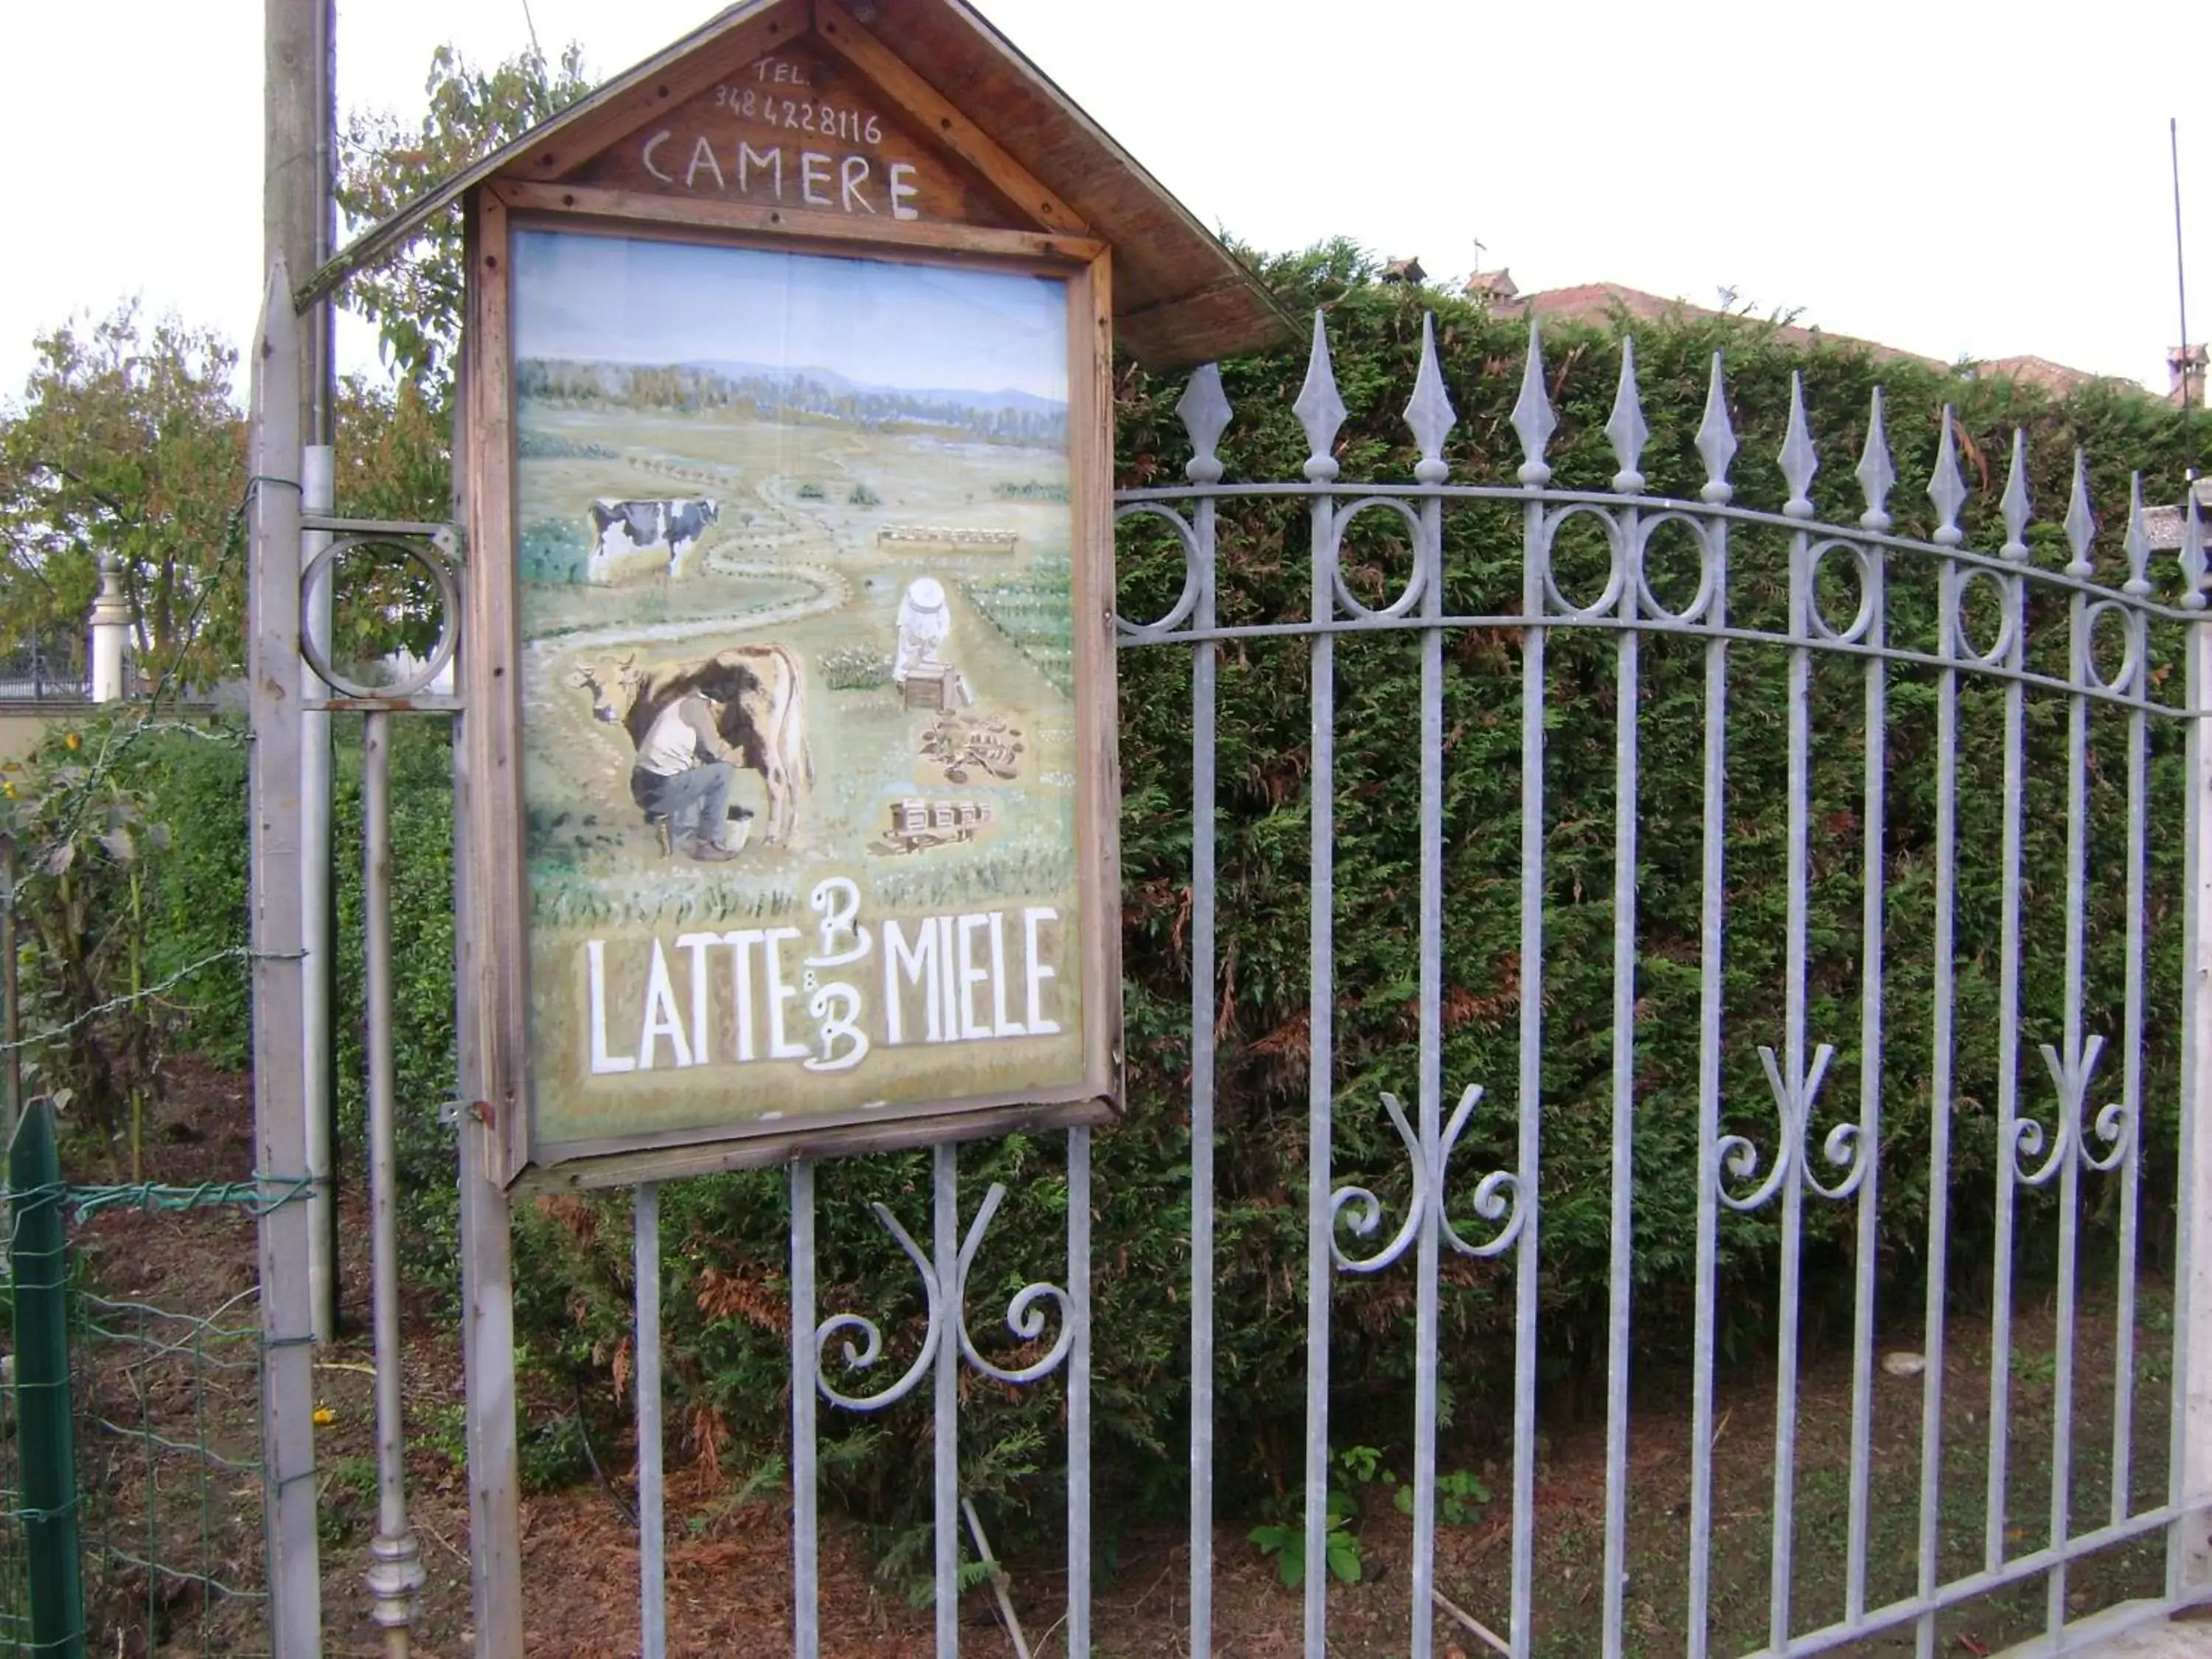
{"points": [[44, 1431], [11, 1057]]}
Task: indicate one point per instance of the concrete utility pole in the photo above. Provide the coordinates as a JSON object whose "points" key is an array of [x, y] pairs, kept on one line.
{"points": [[299, 224]]}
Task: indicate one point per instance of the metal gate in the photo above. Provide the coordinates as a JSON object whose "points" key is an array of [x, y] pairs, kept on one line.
{"points": [[1933, 630]]}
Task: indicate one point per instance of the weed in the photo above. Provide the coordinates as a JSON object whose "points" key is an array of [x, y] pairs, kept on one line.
{"points": [[1461, 1498]]}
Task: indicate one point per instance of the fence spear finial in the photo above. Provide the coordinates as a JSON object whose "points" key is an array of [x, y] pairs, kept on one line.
{"points": [[1946, 489], [1429, 415], [1533, 420], [2014, 504], [1626, 427], [1320, 410], [1204, 410], [1799, 460], [2136, 541], [1876, 475], [2080, 522], [1715, 438]]}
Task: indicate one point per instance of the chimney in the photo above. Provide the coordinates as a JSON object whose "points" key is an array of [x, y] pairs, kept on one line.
{"points": [[2185, 365]]}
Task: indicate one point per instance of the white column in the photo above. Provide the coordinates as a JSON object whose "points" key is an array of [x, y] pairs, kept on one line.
{"points": [[111, 630]]}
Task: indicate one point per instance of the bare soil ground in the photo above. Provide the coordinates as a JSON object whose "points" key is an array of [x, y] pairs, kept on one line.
{"points": [[729, 1582]]}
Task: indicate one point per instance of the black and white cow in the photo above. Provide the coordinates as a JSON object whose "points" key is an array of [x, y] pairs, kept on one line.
{"points": [[621, 530]]}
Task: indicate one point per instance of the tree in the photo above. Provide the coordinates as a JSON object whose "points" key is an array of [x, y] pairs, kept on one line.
{"points": [[415, 298], [128, 444]]}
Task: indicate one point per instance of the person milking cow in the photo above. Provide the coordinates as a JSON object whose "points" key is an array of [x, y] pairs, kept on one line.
{"points": [[682, 775]]}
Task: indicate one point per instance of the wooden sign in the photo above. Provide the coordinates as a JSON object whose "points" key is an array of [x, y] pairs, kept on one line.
{"points": [[788, 769], [791, 573]]}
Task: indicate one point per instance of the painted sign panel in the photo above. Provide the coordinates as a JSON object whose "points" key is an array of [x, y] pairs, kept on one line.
{"points": [[800, 752]]}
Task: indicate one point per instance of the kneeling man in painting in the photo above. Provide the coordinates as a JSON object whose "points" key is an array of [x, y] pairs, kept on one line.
{"points": [[682, 775]]}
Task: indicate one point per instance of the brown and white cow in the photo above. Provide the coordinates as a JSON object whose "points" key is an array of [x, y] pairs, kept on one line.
{"points": [[762, 696]]}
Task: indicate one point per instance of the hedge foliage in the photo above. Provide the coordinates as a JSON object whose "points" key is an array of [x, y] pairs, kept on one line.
{"points": [[726, 1236]]}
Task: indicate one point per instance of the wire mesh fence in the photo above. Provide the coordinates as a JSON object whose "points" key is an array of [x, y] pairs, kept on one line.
{"points": [[130, 1491]]}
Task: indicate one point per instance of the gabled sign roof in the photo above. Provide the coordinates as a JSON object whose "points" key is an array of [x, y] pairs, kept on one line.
{"points": [[999, 129]]}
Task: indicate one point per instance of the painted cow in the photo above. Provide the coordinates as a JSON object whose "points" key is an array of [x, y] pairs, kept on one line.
{"points": [[763, 703], [628, 537]]}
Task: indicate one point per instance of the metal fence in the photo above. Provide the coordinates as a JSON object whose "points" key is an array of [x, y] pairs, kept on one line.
{"points": [[129, 1483], [1875, 633], [41, 670], [2047, 639]]}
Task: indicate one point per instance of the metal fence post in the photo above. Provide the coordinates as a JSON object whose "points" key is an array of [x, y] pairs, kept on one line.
{"points": [[11, 1057], [37, 1262], [2189, 1556]]}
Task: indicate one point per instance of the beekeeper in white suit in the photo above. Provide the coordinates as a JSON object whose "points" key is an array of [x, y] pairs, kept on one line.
{"points": [[924, 623]]}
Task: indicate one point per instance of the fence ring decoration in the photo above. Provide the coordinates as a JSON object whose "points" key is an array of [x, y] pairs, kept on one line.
{"points": [[426, 556], [1816, 620], [1617, 572], [1192, 574], [2007, 630], [1416, 584], [2127, 681], [1700, 605]]}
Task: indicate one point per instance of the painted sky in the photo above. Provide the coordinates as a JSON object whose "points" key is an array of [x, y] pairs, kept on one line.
{"points": [[611, 299]]}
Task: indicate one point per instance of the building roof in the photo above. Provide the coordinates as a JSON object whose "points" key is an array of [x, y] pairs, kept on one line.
{"points": [[1599, 302], [2055, 378], [1179, 294]]}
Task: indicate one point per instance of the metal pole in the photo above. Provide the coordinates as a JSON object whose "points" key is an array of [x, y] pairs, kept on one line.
{"points": [[2180, 276], [288, 1395], [2188, 1558], [805, 1545], [316, 916], [11, 1057], [652, 1599], [36, 1260], [397, 1571]]}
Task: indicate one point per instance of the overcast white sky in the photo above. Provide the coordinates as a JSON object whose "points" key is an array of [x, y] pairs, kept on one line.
{"points": [[1951, 177]]}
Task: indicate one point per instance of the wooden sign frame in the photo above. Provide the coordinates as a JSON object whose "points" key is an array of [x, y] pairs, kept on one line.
{"points": [[496, 960]]}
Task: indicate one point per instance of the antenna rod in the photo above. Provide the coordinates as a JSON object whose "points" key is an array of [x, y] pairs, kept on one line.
{"points": [[2180, 278]]}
